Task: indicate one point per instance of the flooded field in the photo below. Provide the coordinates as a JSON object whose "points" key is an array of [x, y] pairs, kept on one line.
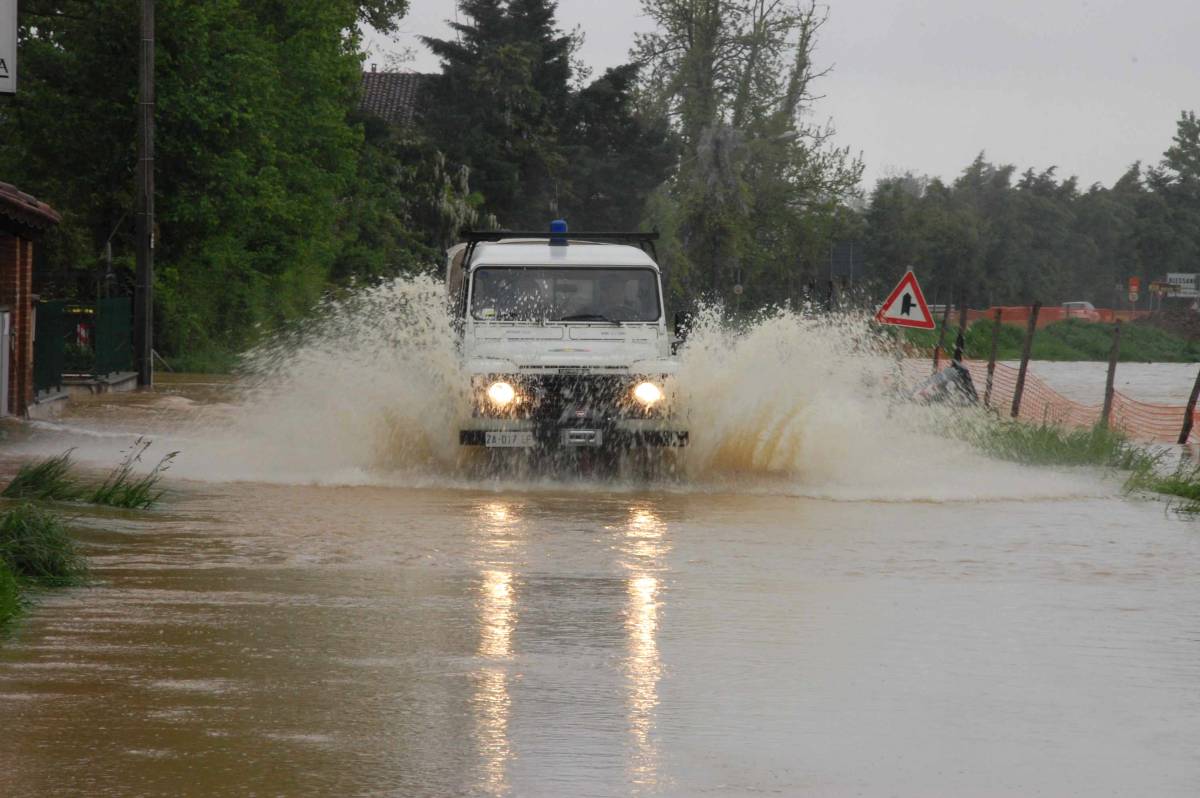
{"points": [[818, 603], [1156, 383]]}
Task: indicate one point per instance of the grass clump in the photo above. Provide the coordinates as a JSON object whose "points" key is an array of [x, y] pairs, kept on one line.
{"points": [[1047, 444], [10, 594], [1183, 484], [46, 480], [52, 480], [35, 546], [122, 488]]}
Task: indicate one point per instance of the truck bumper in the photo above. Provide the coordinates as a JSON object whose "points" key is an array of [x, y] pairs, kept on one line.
{"points": [[619, 434]]}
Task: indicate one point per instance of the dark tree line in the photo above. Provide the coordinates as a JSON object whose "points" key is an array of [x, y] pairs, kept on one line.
{"points": [[993, 236]]}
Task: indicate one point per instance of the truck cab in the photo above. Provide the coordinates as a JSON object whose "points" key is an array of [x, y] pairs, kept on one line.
{"points": [[565, 341]]}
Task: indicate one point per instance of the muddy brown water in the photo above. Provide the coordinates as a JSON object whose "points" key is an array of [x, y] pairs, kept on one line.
{"points": [[586, 639]]}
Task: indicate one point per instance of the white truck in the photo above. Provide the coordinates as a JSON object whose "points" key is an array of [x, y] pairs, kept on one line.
{"points": [[565, 341]]}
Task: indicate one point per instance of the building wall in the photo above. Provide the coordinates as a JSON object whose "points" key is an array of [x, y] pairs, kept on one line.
{"points": [[16, 278]]}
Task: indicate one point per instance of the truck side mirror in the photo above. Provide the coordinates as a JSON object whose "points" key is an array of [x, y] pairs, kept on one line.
{"points": [[683, 325]]}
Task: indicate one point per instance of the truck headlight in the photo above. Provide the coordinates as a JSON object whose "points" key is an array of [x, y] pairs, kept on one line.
{"points": [[648, 393], [501, 393]]}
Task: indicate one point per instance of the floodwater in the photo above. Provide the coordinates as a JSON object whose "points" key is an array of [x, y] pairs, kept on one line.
{"points": [[1154, 383], [806, 607]]}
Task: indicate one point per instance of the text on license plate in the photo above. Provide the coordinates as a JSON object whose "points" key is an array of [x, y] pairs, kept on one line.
{"points": [[509, 439]]}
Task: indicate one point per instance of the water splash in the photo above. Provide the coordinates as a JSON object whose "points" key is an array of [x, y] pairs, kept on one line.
{"points": [[372, 391], [373, 385]]}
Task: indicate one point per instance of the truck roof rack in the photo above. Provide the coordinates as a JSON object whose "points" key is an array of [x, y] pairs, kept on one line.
{"points": [[498, 235], [645, 241]]}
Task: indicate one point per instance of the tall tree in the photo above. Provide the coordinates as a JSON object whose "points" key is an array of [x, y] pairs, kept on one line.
{"points": [[755, 182], [615, 156], [498, 102], [256, 150]]}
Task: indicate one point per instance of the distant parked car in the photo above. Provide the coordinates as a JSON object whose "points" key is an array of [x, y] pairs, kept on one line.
{"points": [[1081, 310]]}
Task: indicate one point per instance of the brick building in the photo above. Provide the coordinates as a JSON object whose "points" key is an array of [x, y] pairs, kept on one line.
{"points": [[22, 220]]}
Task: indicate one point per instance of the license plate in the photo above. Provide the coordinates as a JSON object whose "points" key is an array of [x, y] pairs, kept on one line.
{"points": [[509, 439]]}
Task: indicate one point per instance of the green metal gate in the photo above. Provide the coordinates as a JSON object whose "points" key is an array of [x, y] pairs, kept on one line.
{"points": [[114, 329], [49, 346]]}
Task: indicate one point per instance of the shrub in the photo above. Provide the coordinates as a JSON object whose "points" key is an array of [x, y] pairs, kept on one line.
{"points": [[34, 545], [46, 480], [122, 488], [10, 594]]}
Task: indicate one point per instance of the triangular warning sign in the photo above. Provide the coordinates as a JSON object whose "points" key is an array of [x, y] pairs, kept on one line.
{"points": [[906, 306]]}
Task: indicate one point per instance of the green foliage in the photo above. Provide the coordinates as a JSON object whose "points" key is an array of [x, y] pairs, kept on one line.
{"points": [[203, 361], [34, 545], [47, 480], [122, 488], [1045, 444], [10, 595], [759, 191], [615, 156], [1073, 339], [51, 480], [265, 184], [497, 105], [1182, 483]]}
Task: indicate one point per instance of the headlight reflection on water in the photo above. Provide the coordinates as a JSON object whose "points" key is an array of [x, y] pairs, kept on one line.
{"points": [[496, 603], [644, 547], [492, 698]]}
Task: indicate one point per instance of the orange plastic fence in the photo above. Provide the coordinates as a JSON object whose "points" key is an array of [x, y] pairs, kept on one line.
{"points": [[1042, 404], [1019, 314]]}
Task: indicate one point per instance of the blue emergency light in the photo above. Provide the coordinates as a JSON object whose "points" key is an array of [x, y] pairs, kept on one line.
{"points": [[558, 233]]}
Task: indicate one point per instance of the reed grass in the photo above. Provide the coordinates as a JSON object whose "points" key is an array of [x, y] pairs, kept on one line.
{"points": [[52, 480], [1146, 470], [45, 480], [1047, 444], [123, 488], [35, 547], [10, 595], [1182, 484]]}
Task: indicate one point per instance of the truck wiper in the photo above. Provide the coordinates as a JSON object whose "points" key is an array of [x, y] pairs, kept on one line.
{"points": [[589, 317]]}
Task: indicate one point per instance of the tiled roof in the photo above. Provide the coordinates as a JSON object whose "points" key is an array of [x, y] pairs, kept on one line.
{"points": [[25, 210], [392, 96]]}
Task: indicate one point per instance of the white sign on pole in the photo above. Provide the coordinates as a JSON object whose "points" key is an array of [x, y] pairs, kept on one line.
{"points": [[8, 46]]}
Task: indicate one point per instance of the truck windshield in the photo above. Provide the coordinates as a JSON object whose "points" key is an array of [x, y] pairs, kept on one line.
{"points": [[538, 293]]}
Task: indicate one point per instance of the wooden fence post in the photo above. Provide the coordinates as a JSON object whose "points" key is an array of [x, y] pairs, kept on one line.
{"points": [[1106, 412], [1191, 409], [1026, 351], [960, 342], [991, 371], [937, 350]]}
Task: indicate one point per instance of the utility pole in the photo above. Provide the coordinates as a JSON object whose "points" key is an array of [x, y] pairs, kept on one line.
{"points": [[143, 301]]}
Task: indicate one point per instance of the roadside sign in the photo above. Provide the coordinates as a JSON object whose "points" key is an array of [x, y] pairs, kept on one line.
{"points": [[1135, 283], [8, 46], [1133, 296], [905, 306]]}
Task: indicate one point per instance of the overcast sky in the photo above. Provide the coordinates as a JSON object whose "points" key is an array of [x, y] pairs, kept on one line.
{"points": [[925, 85]]}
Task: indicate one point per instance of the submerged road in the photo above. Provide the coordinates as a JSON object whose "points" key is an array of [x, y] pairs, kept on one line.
{"points": [[588, 640], [254, 640]]}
